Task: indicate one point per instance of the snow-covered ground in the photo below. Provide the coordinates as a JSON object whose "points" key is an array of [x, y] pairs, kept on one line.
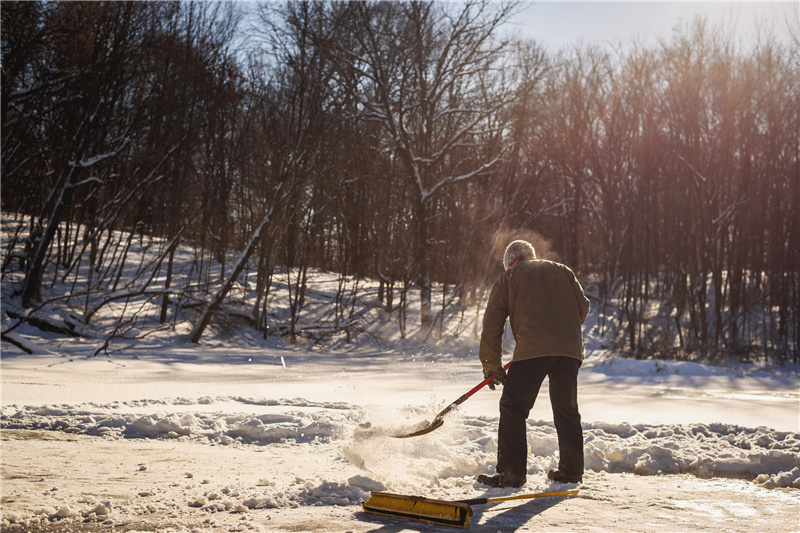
{"points": [[239, 434], [294, 440]]}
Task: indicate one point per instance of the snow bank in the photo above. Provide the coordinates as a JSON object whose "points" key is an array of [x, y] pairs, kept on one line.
{"points": [[88, 509], [705, 450], [463, 448], [222, 428]]}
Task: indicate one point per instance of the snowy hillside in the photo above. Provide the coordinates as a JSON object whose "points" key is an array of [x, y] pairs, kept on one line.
{"points": [[241, 433]]}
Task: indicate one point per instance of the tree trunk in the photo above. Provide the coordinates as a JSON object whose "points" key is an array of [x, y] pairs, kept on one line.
{"points": [[167, 283], [424, 248], [33, 281], [212, 307]]}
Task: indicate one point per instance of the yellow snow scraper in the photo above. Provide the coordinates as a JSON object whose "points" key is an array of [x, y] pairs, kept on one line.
{"points": [[441, 512]]}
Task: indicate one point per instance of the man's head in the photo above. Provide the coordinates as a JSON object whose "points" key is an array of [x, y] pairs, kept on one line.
{"points": [[518, 251]]}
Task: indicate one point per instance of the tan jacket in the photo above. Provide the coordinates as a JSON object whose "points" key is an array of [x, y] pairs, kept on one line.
{"points": [[546, 307]]}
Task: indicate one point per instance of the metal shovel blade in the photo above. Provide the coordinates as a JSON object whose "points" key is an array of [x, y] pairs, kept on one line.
{"points": [[437, 423]]}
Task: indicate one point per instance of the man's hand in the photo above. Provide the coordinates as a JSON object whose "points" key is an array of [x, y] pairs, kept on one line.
{"points": [[499, 374]]}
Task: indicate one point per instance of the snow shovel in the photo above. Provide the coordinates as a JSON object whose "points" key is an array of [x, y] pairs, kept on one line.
{"points": [[439, 420], [440, 512]]}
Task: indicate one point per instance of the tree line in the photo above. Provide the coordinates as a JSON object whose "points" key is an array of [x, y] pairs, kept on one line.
{"points": [[407, 142]]}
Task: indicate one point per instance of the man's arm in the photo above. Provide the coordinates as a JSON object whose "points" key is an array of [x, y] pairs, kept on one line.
{"points": [[494, 322], [580, 297]]}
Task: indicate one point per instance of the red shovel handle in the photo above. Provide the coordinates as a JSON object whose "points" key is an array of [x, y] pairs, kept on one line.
{"points": [[485, 382], [439, 420]]}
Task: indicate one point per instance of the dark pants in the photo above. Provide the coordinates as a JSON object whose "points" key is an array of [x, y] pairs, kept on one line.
{"points": [[520, 389]]}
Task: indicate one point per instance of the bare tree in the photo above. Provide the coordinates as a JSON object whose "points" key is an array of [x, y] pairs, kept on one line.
{"points": [[427, 70]]}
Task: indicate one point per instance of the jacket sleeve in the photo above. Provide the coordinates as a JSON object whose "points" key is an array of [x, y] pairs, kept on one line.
{"points": [[494, 321], [580, 298]]}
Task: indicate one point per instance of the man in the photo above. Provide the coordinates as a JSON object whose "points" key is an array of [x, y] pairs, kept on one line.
{"points": [[546, 306]]}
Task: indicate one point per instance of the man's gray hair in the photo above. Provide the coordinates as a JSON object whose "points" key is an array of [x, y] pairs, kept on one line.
{"points": [[516, 251]]}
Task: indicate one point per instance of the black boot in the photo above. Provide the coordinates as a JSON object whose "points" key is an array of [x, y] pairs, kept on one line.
{"points": [[502, 480], [560, 477]]}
